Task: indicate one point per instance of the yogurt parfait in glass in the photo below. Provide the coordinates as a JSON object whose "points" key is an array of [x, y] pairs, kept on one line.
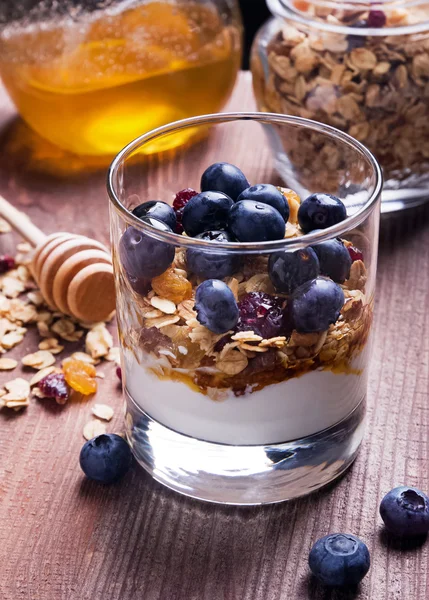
{"points": [[245, 302]]}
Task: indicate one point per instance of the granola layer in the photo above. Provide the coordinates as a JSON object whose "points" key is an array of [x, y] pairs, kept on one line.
{"points": [[166, 337]]}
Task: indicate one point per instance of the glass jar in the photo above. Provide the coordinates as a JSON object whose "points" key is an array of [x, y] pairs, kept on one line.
{"points": [[264, 408], [91, 76], [362, 67]]}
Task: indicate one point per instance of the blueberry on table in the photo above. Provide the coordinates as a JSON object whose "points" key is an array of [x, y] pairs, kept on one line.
{"points": [[224, 177], [334, 259], [216, 306], [142, 256], [316, 305], [255, 222], [212, 263], [207, 211], [339, 559], [267, 194], [106, 458], [158, 210], [320, 211], [289, 270], [405, 511]]}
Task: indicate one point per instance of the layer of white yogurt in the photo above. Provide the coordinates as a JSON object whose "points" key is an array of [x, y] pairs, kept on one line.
{"points": [[280, 412]]}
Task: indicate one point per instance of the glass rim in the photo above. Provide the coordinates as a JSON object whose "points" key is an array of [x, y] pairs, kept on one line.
{"points": [[285, 9], [244, 247]]}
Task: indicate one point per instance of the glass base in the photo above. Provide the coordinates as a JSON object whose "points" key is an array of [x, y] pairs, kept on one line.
{"points": [[243, 475]]}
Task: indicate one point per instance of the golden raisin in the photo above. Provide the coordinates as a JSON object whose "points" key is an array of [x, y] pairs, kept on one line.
{"points": [[294, 202], [80, 376], [173, 286]]}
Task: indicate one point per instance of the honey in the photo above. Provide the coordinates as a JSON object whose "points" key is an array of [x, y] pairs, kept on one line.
{"points": [[92, 85]]}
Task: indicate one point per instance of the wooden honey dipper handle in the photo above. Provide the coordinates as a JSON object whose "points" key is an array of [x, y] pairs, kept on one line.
{"points": [[74, 273], [21, 223]]}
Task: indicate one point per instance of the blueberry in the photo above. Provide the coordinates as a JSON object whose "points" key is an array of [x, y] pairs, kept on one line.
{"points": [[289, 270], [320, 211], [226, 178], [316, 304], [216, 306], [142, 256], [267, 194], [158, 210], [339, 559], [334, 259], [210, 263], [255, 222], [106, 458], [405, 511], [356, 41], [207, 211]]}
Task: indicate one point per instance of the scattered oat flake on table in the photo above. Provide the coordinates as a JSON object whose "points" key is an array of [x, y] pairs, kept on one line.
{"points": [[12, 286], [113, 355], [84, 357], [39, 360], [98, 341], [11, 339], [42, 374], [7, 364], [93, 428], [63, 327], [18, 390], [24, 247], [35, 298], [103, 411], [52, 345]]}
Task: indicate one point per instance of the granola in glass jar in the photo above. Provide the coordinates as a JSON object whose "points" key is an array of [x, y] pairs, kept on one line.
{"points": [[361, 67]]}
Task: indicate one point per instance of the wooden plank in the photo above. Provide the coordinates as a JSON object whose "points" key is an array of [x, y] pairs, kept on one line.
{"points": [[62, 537]]}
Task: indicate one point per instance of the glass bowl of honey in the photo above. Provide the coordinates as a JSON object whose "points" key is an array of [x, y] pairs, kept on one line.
{"points": [[91, 76]]}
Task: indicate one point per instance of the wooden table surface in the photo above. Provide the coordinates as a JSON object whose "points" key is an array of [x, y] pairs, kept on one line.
{"points": [[62, 537]]}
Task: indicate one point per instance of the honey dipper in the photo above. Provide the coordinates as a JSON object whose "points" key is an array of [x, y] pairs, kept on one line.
{"points": [[74, 273]]}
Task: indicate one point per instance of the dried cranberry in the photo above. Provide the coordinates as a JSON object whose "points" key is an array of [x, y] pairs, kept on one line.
{"points": [[119, 373], [55, 386], [6, 263], [263, 314], [355, 254], [376, 18], [179, 203]]}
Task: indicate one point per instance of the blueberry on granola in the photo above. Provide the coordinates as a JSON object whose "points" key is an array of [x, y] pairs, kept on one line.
{"points": [[339, 559], [106, 458], [142, 256], [255, 222], [334, 259], [316, 305], [158, 210], [224, 177], [405, 511], [289, 270], [216, 306], [206, 212], [267, 194], [320, 211], [212, 263]]}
